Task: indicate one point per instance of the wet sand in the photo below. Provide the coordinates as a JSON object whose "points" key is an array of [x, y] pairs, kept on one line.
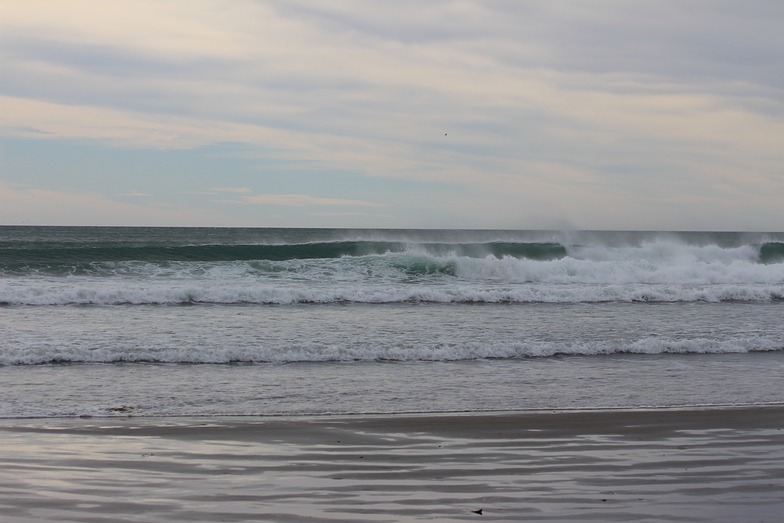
{"points": [[717, 464]]}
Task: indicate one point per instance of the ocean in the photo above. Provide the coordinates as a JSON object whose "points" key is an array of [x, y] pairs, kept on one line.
{"points": [[133, 321]]}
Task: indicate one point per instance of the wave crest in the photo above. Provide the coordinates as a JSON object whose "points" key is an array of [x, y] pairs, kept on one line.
{"points": [[386, 352]]}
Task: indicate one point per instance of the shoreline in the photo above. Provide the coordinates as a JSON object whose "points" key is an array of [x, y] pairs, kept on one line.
{"points": [[397, 414], [705, 464]]}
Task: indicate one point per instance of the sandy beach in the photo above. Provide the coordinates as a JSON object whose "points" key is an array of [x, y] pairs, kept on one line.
{"points": [[717, 464]]}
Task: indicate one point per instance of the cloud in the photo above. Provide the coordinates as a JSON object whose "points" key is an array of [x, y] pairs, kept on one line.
{"points": [[47, 206], [302, 200], [172, 30], [229, 189], [134, 193], [596, 104], [350, 214]]}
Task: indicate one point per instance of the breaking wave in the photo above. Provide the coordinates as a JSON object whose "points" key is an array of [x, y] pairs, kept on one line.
{"points": [[390, 272], [383, 352]]}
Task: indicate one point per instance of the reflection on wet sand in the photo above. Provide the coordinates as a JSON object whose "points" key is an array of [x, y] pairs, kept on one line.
{"points": [[659, 465]]}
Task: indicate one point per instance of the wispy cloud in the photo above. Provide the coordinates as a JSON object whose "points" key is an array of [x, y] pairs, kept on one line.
{"points": [[24, 130], [300, 200], [350, 214], [47, 206], [229, 189], [134, 193]]}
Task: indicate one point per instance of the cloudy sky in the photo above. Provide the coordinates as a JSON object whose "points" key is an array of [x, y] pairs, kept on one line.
{"points": [[344, 113]]}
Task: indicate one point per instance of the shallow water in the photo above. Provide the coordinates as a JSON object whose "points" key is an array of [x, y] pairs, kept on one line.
{"points": [[558, 382]]}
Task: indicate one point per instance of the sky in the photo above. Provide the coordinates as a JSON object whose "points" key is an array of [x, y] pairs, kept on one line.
{"points": [[501, 114]]}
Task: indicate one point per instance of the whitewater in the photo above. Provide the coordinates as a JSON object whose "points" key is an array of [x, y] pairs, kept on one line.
{"points": [[179, 321], [114, 270]]}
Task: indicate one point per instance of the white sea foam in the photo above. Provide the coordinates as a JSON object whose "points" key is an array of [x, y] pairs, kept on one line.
{"points": [[21, 354], [658, 271], [571, 270], [114, 294]]}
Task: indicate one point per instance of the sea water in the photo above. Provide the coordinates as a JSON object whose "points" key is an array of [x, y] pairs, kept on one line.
{"points": [[187, 321]]}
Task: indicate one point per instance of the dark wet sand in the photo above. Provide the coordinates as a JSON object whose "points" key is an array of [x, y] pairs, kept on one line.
{"points": [[718, 464]]}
